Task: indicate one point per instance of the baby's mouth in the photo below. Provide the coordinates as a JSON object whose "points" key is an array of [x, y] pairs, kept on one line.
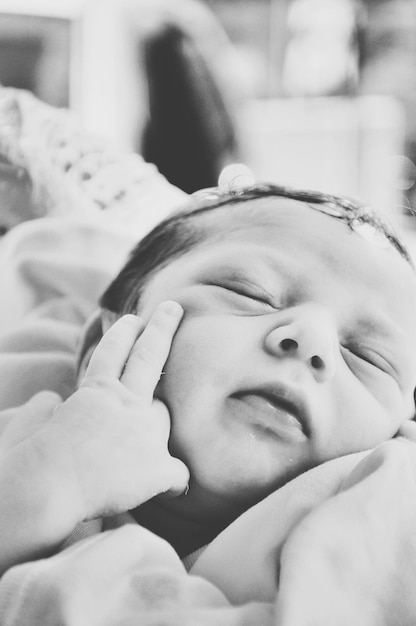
{"points": [[274, 411]]}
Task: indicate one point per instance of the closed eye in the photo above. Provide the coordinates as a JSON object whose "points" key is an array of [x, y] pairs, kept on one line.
{"points": [[371, 358], [245, 290]]}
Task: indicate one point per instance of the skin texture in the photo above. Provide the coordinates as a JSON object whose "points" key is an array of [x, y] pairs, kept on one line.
{"points": [[289, 304]]}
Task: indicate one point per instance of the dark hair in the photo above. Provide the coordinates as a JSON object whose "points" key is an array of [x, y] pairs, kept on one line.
{"points": [[180, 232], [187, 108]]}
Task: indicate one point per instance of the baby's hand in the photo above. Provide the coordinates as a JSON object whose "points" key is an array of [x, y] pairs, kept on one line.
{"points": [[110, 438]]}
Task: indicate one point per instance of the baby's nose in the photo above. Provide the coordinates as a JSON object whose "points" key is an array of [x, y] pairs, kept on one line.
{"points": [[309, 335]]}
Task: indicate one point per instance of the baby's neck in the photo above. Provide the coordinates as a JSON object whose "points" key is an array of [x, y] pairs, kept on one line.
{"points": [[183, 532]]}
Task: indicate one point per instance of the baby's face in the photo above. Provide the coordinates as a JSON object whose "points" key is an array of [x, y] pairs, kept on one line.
{"points": [[298, 345]]}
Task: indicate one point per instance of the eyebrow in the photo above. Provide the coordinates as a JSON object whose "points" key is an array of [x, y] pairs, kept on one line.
{"points": [[261, 259], [243, 267]]}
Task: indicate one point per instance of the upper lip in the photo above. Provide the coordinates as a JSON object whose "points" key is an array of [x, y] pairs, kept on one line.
{"points": [[283, 397]]}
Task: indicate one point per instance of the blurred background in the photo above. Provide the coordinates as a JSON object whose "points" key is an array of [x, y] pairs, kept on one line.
{"points": [[310, 93]]}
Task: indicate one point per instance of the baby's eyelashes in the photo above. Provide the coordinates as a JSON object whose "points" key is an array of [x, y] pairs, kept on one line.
{"points": [[367, 357], [245, 291]]}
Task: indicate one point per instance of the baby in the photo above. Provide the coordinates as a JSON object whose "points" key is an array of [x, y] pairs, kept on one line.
{"points": [[255, 335], [298, 345]]}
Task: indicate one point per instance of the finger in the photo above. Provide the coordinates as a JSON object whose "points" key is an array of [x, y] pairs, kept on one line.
{"points": [[150, 352], [175, 476], [179, 477], [112, 352]]}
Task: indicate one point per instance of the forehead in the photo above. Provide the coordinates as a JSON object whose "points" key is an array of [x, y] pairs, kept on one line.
{"points": [[272, 220], [286, 225]]}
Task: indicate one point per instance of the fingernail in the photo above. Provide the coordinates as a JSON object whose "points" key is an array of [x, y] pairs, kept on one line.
{"points": [[173, 308], [130, 318]]}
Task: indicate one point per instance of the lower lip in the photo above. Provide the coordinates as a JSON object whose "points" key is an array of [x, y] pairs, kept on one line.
{"points": [[269, 420]]}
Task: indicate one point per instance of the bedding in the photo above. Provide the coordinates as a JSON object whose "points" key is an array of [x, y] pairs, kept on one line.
{"points": [[334, 547]]}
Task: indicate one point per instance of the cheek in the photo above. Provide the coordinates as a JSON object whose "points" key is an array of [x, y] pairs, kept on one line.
{"points": [[202, 360], [185, 365], [363, 422]]}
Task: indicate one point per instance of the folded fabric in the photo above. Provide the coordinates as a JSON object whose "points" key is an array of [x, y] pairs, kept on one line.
{"points": [[336, 546], [53, 272], [120, 578], [48, 166]]}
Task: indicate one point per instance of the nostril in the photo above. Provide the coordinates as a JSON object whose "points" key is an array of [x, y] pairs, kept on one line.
{"points": [[288, 345], [317, 363]]}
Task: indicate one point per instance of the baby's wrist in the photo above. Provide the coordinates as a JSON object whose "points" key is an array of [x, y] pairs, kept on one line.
{"points": [[39, 509], [56, 483]]}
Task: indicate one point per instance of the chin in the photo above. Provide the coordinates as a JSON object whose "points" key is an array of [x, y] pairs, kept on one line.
{"points": [[233, 491]]}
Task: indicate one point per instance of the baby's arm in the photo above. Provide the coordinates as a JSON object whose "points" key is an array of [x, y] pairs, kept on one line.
{"points": [[102, 451]]}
